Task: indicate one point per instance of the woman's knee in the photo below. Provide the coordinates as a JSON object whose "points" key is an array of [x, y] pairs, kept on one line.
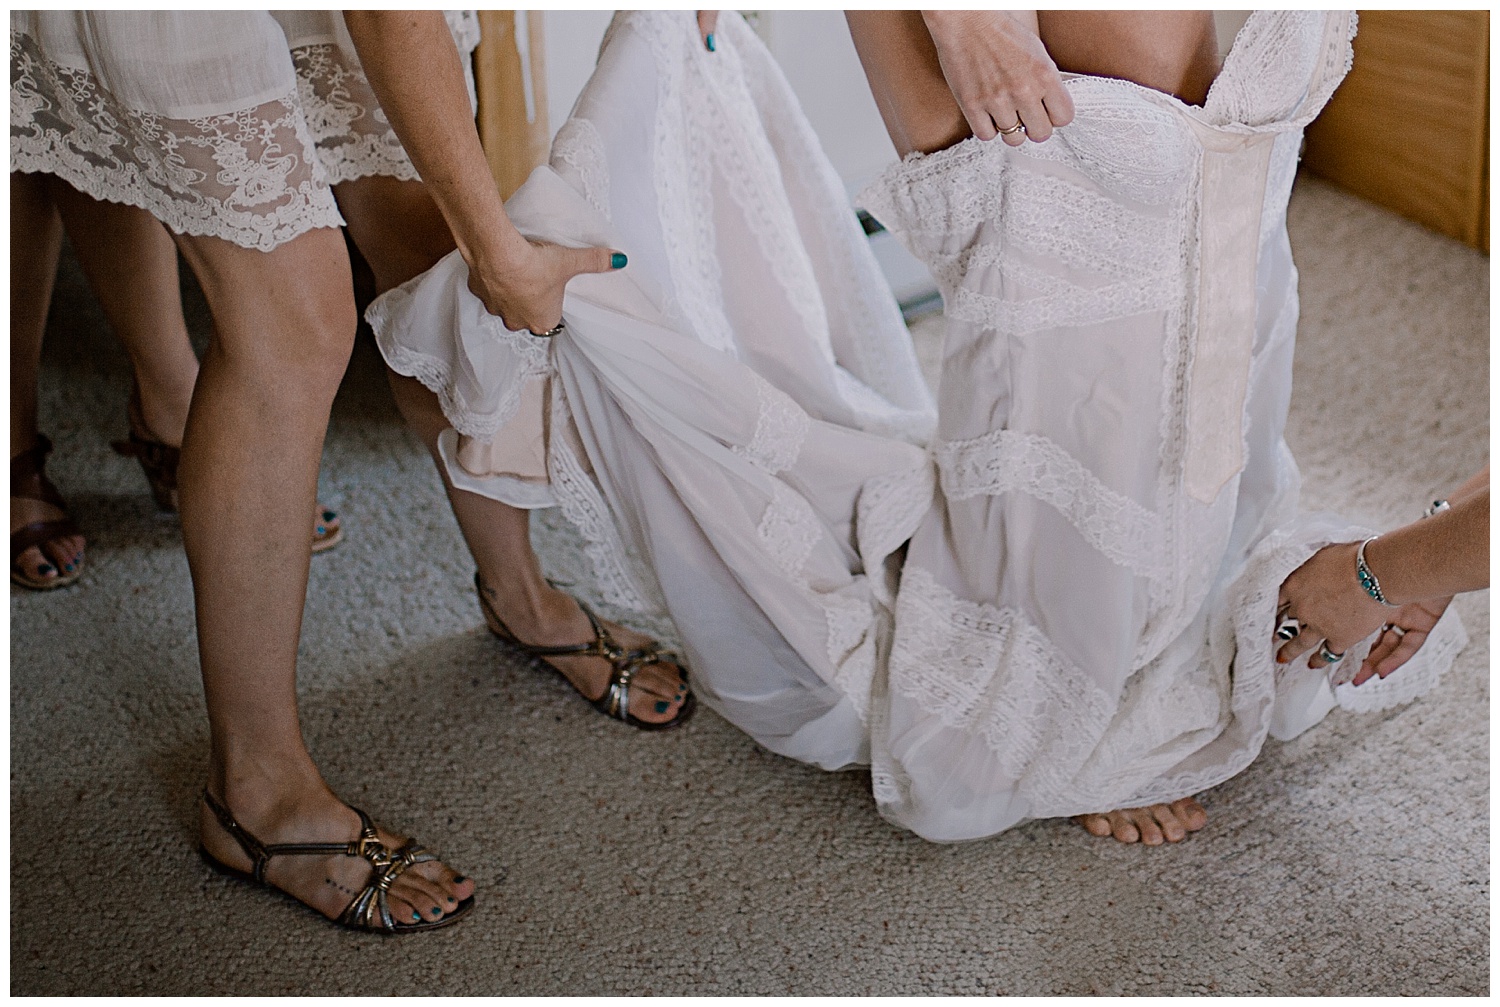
{"points": [[290, 310]]}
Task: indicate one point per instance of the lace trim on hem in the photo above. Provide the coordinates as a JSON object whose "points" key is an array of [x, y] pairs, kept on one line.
{"points": [[437, 375], [251, 177]]}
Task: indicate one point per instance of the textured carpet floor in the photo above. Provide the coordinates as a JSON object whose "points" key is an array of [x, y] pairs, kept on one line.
{"points": [[1352, 860]]}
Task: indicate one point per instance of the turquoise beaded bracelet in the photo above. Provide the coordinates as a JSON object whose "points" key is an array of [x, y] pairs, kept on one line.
{"points": [[1367, 579]]}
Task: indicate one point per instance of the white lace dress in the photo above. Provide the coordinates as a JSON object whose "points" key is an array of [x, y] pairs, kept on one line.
{"points": [[230, 124], [1083, 617]]}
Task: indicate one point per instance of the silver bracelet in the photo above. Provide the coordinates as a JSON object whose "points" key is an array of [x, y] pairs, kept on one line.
{"points": [[1438, 506], [1367, 579]]}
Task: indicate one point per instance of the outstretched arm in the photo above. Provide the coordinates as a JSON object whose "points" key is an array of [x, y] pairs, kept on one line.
{"points": [[414, 69], [1419, 567]]}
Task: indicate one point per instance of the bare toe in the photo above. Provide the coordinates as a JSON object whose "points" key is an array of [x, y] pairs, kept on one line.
{"points": [[1190, 813], [1123, 828], [1097, 825], [1172, 830]]}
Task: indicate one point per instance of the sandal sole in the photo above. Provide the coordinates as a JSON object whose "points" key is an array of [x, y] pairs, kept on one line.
{"points": [[464, 908]]}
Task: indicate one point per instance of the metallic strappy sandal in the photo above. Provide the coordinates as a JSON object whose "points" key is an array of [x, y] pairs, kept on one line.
{"points": [[368, 911], [615, 702]]}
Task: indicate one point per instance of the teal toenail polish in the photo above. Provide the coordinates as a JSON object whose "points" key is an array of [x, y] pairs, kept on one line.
{"points": [[662, 707], [321, 529], [416, 916], [68, 567], [46, 568], [436, 911], [618, 260], [452, 899], [329, 515], [709, 41], [459, 879]]}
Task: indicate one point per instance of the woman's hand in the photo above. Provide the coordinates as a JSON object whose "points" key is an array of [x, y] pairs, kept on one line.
{"points": [[1324, 595], [1404, 634], [525, 286], [1000, 73]]}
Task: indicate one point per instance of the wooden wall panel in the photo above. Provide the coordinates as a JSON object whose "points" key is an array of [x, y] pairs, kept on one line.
{"points": [[1409, 127], [512, 94]]}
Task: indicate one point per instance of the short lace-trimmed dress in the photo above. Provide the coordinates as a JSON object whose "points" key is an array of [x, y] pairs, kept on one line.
{"points": [[1059, 600], [229, 124]]}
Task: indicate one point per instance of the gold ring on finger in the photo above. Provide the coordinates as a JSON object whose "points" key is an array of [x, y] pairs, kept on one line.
{"points": [[549, 333], [1019, 127]]}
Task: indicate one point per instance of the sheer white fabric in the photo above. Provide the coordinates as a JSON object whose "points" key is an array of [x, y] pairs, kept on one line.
{"points": [[231, 124], [1083, 619]]}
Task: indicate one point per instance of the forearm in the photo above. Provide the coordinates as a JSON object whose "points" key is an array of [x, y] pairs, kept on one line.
{"points": [[414, 69], [1438, 556]]}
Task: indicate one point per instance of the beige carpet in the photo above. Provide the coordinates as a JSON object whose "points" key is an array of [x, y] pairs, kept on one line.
{"points": [[1352, 860]]}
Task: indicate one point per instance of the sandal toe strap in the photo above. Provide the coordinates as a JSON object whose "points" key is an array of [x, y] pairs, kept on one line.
{"points": [[370, 909], [40, 533]]}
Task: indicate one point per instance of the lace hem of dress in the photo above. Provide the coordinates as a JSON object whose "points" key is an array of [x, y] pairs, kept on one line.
{"points": [[251, 176], [353, 136], [437, 374]]}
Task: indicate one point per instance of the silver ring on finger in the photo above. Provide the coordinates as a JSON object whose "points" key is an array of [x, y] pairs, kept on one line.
{"points": [[1288, 630], [1019, 127], [550, 332], [1393, 628], [1327, 654]]}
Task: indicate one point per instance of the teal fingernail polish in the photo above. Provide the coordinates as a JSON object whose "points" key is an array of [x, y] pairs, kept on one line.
{"points": [[618, 260], [709, 41]]}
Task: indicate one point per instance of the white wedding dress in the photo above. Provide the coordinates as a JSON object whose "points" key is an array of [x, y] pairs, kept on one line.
{"points": [[1097, 523]]}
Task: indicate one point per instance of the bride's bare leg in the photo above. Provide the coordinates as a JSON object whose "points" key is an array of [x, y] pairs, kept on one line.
{"points": [[1172, 51], [284, 326], [401, 233]]}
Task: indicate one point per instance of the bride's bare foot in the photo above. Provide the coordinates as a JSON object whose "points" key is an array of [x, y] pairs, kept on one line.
{"points": [[658, 691], [1151, 825], [424, 893]]}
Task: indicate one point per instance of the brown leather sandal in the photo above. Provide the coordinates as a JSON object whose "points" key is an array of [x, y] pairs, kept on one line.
{"points": [[615, 702], [159, 463], [28, 481], [368, 911]]}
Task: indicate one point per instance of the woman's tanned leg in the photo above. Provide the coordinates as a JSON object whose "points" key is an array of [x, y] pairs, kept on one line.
{"points": [[401, 233], [284, 327]]}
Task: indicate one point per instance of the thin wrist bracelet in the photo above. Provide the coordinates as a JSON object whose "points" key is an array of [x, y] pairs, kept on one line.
{"points": [[1366, 578], [1438, 506]]}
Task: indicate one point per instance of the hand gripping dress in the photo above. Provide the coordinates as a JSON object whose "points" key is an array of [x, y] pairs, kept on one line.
{"points": [[1059, 601], [229, 124]]}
